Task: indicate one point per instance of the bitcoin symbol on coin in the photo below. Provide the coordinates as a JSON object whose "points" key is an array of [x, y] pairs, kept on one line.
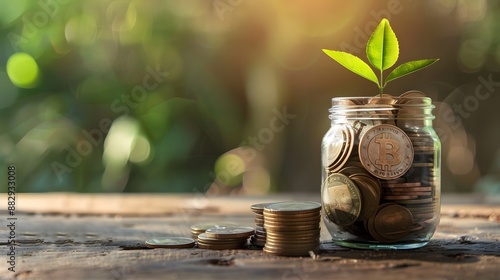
{"points": [[388, 152]]}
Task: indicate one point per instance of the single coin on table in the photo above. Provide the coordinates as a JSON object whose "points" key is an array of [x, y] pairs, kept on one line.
{"points": [[170, 242]]}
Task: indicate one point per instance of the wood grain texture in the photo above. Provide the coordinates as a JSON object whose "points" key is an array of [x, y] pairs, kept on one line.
{"points": [[73, 236]]}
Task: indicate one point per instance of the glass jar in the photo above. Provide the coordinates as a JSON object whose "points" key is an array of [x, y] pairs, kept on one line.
{"points": [[381, 162]]}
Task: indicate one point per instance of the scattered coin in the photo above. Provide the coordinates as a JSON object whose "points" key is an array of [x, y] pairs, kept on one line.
{"points": [[170, 242], [196, 229], [230, 232]]}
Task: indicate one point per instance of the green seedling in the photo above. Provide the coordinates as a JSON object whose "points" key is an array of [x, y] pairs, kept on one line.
{"points": [[382, 51]]}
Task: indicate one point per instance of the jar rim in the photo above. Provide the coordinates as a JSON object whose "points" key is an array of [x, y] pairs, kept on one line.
{"points": [[385, 107], [384, 100]]}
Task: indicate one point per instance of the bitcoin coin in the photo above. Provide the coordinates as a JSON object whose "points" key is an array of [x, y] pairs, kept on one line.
{"points": [[170, 242], [386, 151], [341, 200]]}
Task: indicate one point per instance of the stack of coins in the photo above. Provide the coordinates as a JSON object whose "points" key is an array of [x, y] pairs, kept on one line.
{"points": [[292, 228], [259, 237], [380, 163], [225, 238], [197, 229]]}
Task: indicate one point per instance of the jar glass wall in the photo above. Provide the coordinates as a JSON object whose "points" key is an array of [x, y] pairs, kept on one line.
{"points": [[381, 162]]}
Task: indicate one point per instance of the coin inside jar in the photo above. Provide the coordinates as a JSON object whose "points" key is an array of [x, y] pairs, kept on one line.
{"points": [[390, 223], [386, 151], [341, 199]]}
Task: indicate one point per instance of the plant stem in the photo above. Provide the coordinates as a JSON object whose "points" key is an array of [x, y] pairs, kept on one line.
{"points": [[381, 83]]}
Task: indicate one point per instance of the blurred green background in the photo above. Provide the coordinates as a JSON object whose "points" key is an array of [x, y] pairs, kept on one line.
{"points": [[227, 96]]}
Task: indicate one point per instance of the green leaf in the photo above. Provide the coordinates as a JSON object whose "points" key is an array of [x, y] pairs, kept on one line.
{"points": [[407, 68], [382, 49], [353, 63]]}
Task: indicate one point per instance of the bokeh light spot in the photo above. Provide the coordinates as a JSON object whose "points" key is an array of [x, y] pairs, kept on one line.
{"points": [[140, 149], [23, 70], [229, 169], [460, 160]]}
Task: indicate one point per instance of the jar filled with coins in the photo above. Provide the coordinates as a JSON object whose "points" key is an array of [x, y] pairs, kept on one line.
{"points": [[381, 162]]}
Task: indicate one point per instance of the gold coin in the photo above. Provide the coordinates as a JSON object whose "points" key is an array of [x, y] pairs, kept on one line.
{"points": [[386, 99], [411, 93], [281, 219], [292, 245], [203, 237], [259, 208], [347, 146], [370, 198], [423, 216], [229, 232], [350, 170], [393, 221], [295, 239], [287, 228], [401, 185], [292, 208], [415, 201], [296, 252], [341, 200], [170, 242], [408, 193], [423, 164], [259, 216], [333, 144], [399, 197], [386, 151], [257, 242], [221, 247], [298, 216], [361, 126], [292, 234], [259, 222], [204, 226]]}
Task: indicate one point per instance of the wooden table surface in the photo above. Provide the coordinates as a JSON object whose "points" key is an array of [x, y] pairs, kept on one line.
{"points": [[87, 236]]}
